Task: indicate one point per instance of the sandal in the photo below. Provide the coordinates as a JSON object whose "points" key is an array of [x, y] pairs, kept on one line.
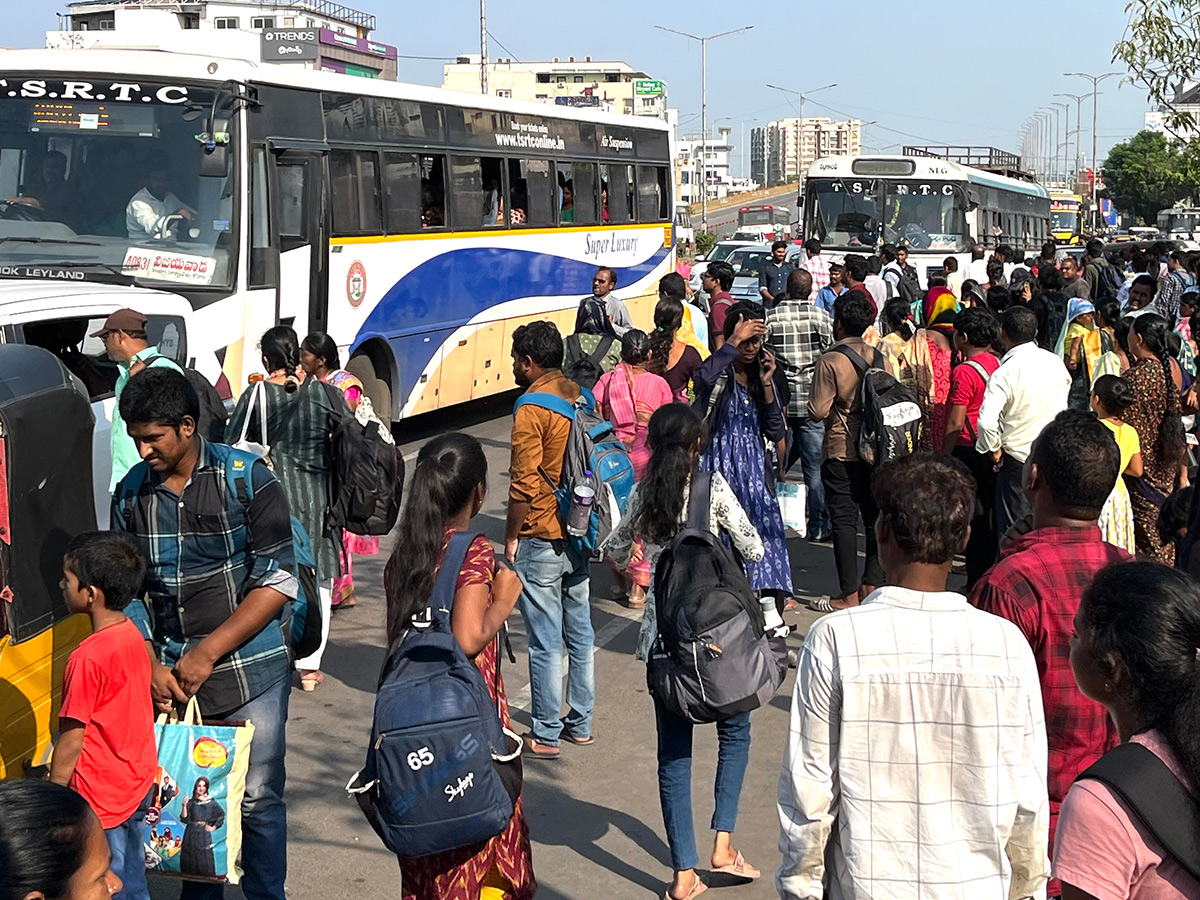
{"points": [[822, 605], [698, 887], [309, 681], [537, 750], [739, 868], [791, 605]]}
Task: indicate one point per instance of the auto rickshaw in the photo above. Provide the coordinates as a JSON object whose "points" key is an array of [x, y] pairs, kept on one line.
{"points": [[46, 499]]}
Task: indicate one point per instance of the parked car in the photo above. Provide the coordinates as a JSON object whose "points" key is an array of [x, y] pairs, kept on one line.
{"points": [[747, 263], [720, 252]]}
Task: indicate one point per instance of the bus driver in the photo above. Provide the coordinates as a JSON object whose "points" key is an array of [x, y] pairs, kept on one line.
{"points": [[148, 215]]}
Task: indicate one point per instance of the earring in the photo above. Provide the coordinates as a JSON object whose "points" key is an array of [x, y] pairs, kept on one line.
{"points": [[1108, 687]]}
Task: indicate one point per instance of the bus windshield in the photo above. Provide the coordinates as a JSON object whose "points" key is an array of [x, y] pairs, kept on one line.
{"points": [[925, 215], [1186, 222], [1064, 221], [101, 180], [755, 216]]}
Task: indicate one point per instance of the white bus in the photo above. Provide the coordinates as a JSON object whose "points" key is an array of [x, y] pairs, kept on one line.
{"points": [[934, 207], [1180, 224], [418, 226]]}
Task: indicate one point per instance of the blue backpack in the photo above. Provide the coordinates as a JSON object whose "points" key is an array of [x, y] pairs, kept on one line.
{"points": [[595, 457], [439, 773], [301, 617]]}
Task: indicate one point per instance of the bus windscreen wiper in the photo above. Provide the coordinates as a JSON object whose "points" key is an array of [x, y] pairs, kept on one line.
{"points": [[43, 240]]}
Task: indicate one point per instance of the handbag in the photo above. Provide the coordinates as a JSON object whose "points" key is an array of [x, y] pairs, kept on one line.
{"points": [[261, 450], [194, 827]]}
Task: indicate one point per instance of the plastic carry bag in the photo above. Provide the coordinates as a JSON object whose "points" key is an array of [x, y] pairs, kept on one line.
{"points": [[793, 505], [194, 826]]}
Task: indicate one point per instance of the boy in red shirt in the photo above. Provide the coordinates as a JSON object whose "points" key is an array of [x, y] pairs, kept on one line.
{"points": [[106, 749]]}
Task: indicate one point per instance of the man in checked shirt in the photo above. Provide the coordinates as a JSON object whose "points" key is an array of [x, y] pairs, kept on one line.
{"points": [[800, 331], [220, 567], [1039, 581]]}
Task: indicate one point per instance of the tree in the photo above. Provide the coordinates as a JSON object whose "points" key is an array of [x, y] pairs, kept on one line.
{"points": [[1147, 173], [1161, 47]]}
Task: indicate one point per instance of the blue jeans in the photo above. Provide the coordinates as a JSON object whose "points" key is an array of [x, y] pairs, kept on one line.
{"points": [[126, 842], [264, 815], [805, 438], [675, 779], [555, 603]]}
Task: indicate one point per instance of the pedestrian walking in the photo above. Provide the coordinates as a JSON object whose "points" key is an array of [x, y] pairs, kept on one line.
{"points": [[105, 750], [975, 331], [448, 490], [772, 279], [735, 387], [300, 414], [628, 397], [1134, 651], [717, 281], [827, 296], [673, 353], [594, 347], [920, 359], [1081, 344], [869, 805], [1154, 415], [555, 594], [815, 264], [604, 282], [836, 400], [1023, 395], [657, 512], [1041, 576], [1112, 395], [230, 565], [1075, 286], [52, 844], [320, 359], [800, 332]]}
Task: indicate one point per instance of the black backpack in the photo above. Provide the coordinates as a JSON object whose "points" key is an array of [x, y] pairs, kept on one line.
{"points": [[213, 415], [891, 415], [366, 478], [712, 658], [582, 368], [909, 287], [441, 770], [1108, 280]]}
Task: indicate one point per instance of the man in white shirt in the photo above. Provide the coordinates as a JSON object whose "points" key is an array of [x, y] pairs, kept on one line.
{"points": [[148, 214], [916, 757], [1023, 396], [876, 286], [977, 267]]}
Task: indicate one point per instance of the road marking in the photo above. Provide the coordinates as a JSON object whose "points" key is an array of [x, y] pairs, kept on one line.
{"points": [[625, 618]]}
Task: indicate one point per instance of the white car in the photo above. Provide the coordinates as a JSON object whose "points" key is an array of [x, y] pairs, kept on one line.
{"points": [[61, 315], [720, 252]]}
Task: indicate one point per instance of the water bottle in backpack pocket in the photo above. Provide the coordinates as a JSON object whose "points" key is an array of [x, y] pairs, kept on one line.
{"points": [[441, 771]]}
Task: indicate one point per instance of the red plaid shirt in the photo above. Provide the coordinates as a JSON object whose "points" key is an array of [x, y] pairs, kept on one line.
{"points": [[1037, 585]]}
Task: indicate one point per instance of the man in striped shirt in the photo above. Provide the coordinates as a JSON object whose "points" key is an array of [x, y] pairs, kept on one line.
{"points": [[815, 265]]}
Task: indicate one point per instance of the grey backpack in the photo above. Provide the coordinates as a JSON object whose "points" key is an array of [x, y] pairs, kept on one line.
{"points": [[713, 658]]}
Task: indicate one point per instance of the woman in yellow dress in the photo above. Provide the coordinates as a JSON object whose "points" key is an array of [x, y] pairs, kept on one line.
{"points": [[1111, 396]]}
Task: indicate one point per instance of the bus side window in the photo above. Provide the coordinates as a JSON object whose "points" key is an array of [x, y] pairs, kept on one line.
{"points": [[433, 191], [583, 177], [564, 197], [262, 259], [614, 182], [665, 195], [354, 176], [630, 195], [650, 201], [530, 194], [475, 193], [402, 192]]}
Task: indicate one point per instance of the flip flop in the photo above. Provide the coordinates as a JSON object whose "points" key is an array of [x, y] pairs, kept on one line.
{"points": [[739, 868], [822, 605], [791, 605], [698, 888]]}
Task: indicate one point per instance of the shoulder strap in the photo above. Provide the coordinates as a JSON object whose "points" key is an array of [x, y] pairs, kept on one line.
{"points": [[699, 500], [552, 402], [983, 373], [1156, 797], [574, 347], [130, 486], [601, 351], [448, 571], [238, 466], [859, 363]]}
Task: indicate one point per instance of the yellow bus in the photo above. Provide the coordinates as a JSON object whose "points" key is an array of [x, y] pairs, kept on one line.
{"points": [[1066, 218]]}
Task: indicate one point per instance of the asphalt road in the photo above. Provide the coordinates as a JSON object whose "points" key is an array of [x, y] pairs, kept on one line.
{"points": [[594, 814], [723, 222]]}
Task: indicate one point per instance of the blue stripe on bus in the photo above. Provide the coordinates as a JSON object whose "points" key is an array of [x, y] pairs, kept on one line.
{"points": [[423, 308]]}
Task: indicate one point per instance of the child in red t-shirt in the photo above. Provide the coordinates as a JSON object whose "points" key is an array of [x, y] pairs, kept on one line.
{"points": [[106, 748]]}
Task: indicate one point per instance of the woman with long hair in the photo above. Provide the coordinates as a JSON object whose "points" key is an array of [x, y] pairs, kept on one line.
{"points": [[735, 389], [628, 397], [300, 415], [52, 845], [1155, 415], [1134, 651], [201, 815], [656, 512], [920, 357], [320, 359], [448, 489], [670, 356], [1112, 395]]}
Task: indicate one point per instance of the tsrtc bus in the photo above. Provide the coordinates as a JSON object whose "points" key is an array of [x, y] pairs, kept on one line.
{"points": [[418, 226], [1066, 218], [772, 223], [934, 207], [1180, 224]]}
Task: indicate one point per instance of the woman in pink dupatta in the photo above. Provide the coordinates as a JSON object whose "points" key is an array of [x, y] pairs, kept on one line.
{"points": [[627, 397]]}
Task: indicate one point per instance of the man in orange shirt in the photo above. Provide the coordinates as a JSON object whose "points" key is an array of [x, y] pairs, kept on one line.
{"points": [[555, 595]]}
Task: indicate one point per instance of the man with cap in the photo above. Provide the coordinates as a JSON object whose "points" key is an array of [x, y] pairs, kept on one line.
{"points": [[124, 336]]}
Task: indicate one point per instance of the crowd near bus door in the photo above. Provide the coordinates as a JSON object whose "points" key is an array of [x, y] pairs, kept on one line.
{"points": [[302, 239]]}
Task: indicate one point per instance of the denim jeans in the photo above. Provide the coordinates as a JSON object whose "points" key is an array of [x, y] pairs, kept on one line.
{"points": [[264, 815], [675, 779], [555, 604], [126, 842], [805, 438]]}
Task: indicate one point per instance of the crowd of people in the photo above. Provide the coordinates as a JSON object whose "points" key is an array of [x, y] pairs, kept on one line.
{"points": [[942, 743]]}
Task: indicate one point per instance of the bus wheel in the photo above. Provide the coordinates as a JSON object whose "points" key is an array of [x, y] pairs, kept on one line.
{"points": [[377, 389]]}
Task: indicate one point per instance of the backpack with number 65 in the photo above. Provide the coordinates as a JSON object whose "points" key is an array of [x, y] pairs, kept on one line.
{"points": [[441, 771]]}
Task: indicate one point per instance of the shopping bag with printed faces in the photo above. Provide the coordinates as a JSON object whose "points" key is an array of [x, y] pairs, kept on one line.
{"points": [[194, 826]]}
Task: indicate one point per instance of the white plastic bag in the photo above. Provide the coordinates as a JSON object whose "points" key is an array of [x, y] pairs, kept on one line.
{"points": [[793, 505], [262, 450]]}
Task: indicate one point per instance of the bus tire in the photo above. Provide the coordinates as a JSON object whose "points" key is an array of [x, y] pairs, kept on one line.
{"points": [[377, 389]]}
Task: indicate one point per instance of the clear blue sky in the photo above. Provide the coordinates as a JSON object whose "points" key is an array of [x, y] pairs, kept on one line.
{"points": [[957, 74]]}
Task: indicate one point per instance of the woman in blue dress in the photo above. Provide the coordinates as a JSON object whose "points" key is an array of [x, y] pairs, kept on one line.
{"points": [[735, 392]]}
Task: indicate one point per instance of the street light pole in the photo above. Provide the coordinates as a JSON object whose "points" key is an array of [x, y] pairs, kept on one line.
{"points": [[1078, 98], [483, 64], [1095, 80], [800, 127], [704, 108], [1058, 107]]}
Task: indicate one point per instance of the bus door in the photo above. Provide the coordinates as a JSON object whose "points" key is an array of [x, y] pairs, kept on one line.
{"points": [[302, 236]]}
